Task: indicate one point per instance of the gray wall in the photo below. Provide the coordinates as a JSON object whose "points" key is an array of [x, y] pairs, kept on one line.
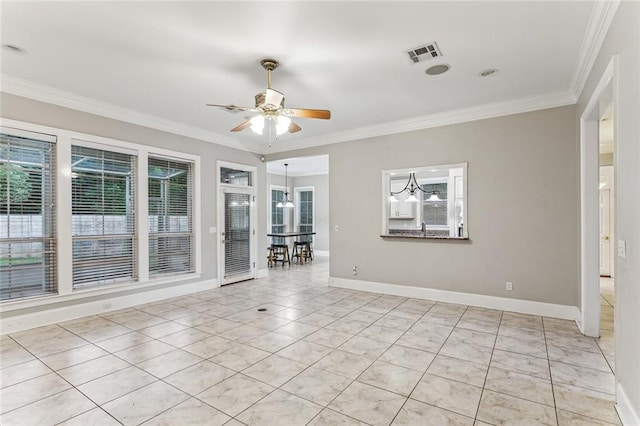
{"points": [[18, 108], [623, 39], [523, 206]]}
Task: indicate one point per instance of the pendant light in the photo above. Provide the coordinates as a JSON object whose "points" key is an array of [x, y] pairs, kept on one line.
{"points": [[412, 186], [286, 202]]}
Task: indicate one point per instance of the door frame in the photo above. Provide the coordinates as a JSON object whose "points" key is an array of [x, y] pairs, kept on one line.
{"points": [[606, 173], [604, 96], [220, 219]]}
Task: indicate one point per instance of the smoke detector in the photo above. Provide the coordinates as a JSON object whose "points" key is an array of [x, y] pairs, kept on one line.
{"points": [[424, 53]]}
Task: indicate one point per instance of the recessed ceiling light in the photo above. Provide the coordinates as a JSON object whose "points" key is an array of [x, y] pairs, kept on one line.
{"points": [[487, 73], [14, 49], [437, 69]]}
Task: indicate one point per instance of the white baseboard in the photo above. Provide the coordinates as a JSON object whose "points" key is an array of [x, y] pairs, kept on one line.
{"points": [[321, 253], [479, 300], [54, 313], [262, 273], [628, 414]]}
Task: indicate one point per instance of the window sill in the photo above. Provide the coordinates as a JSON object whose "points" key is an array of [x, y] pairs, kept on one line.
{"points": [[84, 293], [420, 236]]}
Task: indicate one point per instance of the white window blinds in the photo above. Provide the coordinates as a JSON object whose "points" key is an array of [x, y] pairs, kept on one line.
{"points": [[237, 234], [305, 213], [27, 221], [170, 217], [103, 221], [277, 215]]}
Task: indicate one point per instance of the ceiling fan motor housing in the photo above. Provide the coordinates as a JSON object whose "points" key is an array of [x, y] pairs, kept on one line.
{"points": [[261, 99]]}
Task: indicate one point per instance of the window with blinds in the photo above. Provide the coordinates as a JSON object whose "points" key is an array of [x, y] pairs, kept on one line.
{"points": [[237, 234], [103, 217], [277, 215], [435, 212], [305, 213], [27, 220], [170, 217]]}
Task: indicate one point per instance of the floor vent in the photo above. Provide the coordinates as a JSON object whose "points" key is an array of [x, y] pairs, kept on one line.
{"points": [[423, 53]]}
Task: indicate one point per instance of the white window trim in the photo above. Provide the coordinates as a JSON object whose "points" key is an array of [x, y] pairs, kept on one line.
{"points": [[195, 213], [386, 188], [220, 221], [64, 245], [237, 166], [296, 197], [270, 200], [53, 169]]}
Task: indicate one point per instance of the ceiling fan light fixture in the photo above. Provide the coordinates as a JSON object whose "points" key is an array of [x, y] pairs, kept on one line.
{"points": [[282, 124], [269, 105], [257, 124]]}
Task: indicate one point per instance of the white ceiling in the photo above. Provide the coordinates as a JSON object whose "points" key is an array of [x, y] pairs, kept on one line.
{"points": [[300, 166], [161, 62]]}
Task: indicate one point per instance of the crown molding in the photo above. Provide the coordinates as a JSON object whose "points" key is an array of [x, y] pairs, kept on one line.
{"points": [[42, 93], [480, 112], [599, 22], [38, 92]]}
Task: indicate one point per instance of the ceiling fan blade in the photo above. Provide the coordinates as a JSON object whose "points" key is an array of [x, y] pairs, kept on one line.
{"points": [[309, 113], [231, 108], [273, 97], [241, 126], [293, 128]]}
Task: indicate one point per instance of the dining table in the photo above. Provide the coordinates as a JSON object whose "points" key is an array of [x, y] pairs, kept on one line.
{"points": [[292, 234]]}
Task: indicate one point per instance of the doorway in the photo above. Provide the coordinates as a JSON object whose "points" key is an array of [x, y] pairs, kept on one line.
{"points": [[236, 221], [607, 216], [597, 225], [306, 184]]}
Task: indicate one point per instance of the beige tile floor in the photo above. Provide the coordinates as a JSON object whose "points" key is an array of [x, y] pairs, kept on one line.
{"points": [[317, 356], [607, 304]]}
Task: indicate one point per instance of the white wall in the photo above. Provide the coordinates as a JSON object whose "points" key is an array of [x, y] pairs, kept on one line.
{"points": [[623, 40]]}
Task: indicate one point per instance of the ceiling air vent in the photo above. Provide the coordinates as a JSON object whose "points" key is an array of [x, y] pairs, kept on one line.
{"points": [[423, 53]]}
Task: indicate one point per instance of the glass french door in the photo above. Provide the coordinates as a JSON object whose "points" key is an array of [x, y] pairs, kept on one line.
{"points": [[238, 235]]}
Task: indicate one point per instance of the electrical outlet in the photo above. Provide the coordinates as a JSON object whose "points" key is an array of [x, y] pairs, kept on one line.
{"points": [[106, 306], [509, 286], [354, 270]]}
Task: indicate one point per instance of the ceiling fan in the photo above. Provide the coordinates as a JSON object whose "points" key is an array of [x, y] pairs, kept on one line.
{"points": [[270, 108]]}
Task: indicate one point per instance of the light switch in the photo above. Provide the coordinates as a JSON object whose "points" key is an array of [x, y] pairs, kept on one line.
{"points": [[337, 228], [213, 230], [622, 248]]}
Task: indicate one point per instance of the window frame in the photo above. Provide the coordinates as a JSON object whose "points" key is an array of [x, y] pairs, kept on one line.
{"points": [[130, 219], [285, 217], [456, 171], [297, 203], [63, 212], [190, 215], [48, 222]]}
